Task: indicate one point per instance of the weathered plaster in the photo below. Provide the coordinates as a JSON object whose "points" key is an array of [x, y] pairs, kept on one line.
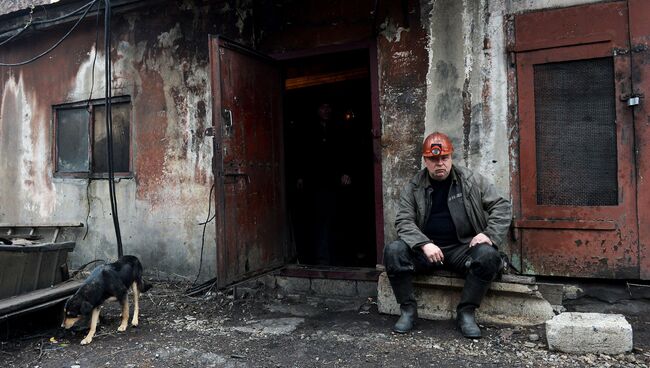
{"points": [[403, 62], [466, 89], [162, 63], [23, 145], [518, 6]]}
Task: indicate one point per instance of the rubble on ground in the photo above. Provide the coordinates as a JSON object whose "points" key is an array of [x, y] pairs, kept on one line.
{"points": [[271, 330]]}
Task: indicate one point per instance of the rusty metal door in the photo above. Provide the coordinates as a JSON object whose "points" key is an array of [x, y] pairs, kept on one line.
{"points": [[577, 212], [247, 163]]}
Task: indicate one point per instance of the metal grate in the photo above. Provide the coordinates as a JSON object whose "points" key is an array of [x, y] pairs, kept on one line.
{"points": [[575, 133]]}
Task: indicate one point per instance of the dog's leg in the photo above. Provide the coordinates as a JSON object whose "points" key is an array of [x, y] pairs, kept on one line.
{"points": [[93, 326], [125, 313], [136, 305]]}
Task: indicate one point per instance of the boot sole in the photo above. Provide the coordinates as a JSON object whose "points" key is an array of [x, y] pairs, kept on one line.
{"points": [[402, 332]]}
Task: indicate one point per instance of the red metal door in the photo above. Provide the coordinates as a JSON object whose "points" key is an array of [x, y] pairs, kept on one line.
{"points": [[577, 212], [250, 206]]}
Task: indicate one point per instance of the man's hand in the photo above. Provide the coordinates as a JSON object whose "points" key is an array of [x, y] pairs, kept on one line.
{"points": [[433, 253], [480, 238]]}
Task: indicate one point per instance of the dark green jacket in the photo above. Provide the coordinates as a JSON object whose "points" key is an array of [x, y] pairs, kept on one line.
{"points": [[487, 211]]}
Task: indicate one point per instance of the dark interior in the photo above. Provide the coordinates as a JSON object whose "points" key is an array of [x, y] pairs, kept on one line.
{"points": [[331, 223]]}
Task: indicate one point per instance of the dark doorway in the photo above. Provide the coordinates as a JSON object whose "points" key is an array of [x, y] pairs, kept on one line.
{"points": [[329, 159]]}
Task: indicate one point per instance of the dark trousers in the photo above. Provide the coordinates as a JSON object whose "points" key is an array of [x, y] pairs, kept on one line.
{"points": [[480, 263]]}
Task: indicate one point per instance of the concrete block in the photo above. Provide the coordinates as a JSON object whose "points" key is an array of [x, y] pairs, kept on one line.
{"points": [[505, 303], [552, 292], [367, 289], [334, 287], [574, 332], [292, 284]]}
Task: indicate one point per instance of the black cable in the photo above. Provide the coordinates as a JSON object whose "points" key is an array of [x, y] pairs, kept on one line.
{"points": [[84, 266], [205, 224], [17, 33], [109, 124], [90, 97], [56, 44], [92, 72], [88, 203], [45, 21]]}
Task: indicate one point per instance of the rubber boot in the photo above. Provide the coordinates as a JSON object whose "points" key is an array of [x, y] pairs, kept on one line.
{"points": [[403, 289], [470, 299]]}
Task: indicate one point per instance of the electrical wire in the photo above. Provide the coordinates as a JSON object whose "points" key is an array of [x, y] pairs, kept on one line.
{"points": [[45, 21], [56, 44], [205, 224], [109, 125], [31, 22], [92, 72], [90, 97], [81, 268]]}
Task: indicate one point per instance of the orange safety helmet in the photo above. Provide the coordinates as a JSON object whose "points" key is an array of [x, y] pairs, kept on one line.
{"points": [[437, 144]]}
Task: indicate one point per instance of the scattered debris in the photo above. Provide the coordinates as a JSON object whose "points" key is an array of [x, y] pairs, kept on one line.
{"points": [[236, 331]]}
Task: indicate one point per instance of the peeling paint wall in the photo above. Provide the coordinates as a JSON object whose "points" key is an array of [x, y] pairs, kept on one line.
{"points": [[463, 93], [466, 94], [403, 65], [442, 66], [160, 59], [518, 6]]}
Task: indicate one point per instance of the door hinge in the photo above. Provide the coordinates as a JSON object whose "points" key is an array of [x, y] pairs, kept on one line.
{"points": [[209, 131], [639, 48]]}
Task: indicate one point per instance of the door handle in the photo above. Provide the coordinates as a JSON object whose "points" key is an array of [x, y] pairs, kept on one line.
{"points": [[226, 115]]}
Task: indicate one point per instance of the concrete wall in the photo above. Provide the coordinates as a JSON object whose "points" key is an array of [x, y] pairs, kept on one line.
{"points": [[160, 59], [442, 66], [465, 93], [403, 59], [518, 6]]}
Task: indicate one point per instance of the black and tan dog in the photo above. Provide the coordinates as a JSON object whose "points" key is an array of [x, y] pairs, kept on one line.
{"points": [[108, 282]]}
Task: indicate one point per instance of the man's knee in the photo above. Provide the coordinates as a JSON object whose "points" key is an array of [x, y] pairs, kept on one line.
{"points": [[486, 262], [397, 257], [395, 249]]}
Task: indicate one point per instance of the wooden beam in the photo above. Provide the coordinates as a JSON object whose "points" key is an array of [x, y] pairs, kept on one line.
{"points": [[325, 78]]}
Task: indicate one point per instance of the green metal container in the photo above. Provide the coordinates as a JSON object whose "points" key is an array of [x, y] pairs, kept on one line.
{"points": [[25, 268]]}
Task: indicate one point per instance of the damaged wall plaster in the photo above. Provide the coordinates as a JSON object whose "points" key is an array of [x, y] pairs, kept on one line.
{"points": [[466, 94], [163, 65]]}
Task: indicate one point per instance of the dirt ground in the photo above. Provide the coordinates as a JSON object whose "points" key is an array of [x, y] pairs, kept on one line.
{"points": [[262, 330]]}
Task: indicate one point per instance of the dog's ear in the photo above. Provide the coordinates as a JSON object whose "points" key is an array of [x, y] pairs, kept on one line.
{"points": [[86, 308]]}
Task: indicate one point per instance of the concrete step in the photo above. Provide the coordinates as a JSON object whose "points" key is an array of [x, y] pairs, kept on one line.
{"points": [[505, 303]]}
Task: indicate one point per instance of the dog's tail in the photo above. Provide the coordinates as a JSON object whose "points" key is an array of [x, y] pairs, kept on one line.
{"points": [[143, 286]]}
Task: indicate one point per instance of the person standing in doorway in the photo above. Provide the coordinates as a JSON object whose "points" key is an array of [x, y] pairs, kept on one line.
{"points": [[450, 218], [324, 172]]}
